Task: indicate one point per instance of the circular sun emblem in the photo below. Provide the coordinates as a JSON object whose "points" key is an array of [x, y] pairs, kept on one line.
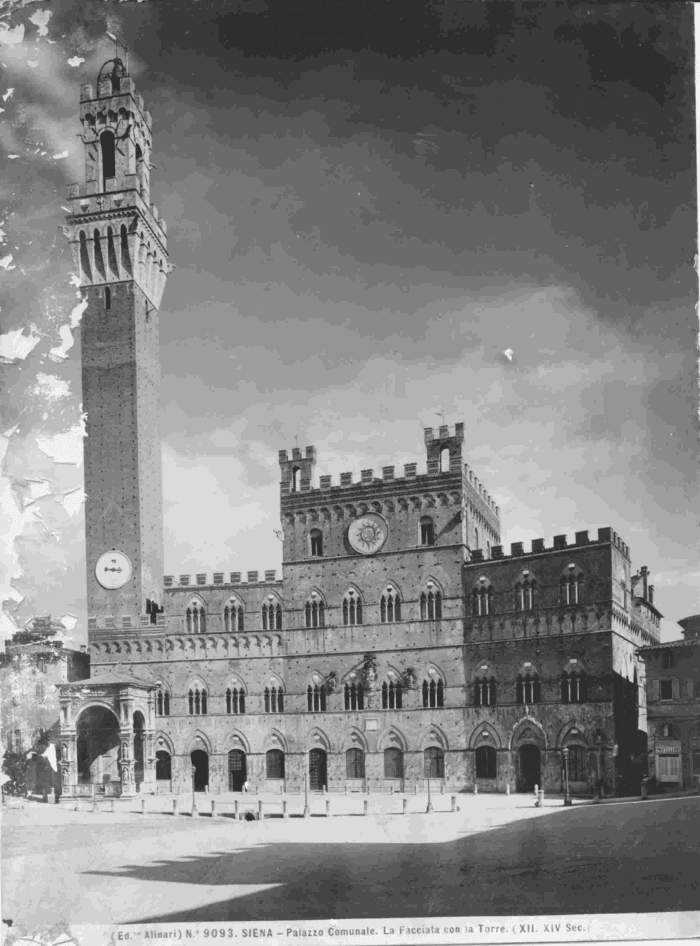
{"points": [[368, 533]]}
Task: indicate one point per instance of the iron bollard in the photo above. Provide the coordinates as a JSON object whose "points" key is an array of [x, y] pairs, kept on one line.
{"points": [[111, 806], [476, 789], [235, 809], [391, 789], [143, 806], [508, 789], [366, 804], [540, 799], [284, 810], [454, 803], [442, 788], [195, 810], [328, 808], [260, 811], [213, 808], [174, 806], [346, 788], [645, 788], [368, 788], [415, 789], [405, 806]]}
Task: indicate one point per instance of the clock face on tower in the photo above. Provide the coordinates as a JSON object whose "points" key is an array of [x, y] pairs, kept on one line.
{"points": [[113, 569], [368, 533]]}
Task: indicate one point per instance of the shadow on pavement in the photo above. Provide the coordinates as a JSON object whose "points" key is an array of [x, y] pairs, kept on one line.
{"points": [[634, 859]]}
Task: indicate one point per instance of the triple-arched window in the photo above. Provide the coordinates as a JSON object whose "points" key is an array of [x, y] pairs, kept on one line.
{"points": [[235, 699], [352, 608], [390, 607], [162, 701], [485, 691], [315, 612], [391, 695], [431, 605], [316, 698], [574, 687], [272, 616], [354, 696], [196, 618], [482, 600], [433, 693], [525, 595], [233, 616], [197, 699], [570, 587], [527, 688], [273, 699]]}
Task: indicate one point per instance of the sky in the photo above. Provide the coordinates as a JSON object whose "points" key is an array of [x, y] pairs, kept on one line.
{"points": [[381, 213]]}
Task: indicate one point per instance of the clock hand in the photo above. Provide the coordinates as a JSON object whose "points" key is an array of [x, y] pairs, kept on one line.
{"points": [[112, 569]]}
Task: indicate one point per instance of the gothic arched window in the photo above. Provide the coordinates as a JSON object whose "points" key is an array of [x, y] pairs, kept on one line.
{"points": [[482, 600], [316, 698], [162, 701], [431, 606], [315, 612], [390, 607], [574, 687], [391, 695], [352, 608], [427, 531], [274, 699], [354, 696], [196, 618], [233, 616], [235, 699], [485, 691], [527, 688], [272, 616], [316, 543], [433, 693], [197, 700], [570, 586]]}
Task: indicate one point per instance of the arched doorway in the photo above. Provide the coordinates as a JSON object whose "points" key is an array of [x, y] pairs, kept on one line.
{"points": [[139, 723], [237, 770], [317, 770], [163, 766], [200, 763], [529, 768], [97, 746]]}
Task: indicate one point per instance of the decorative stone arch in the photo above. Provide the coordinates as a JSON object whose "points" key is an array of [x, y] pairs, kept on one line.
{"points": [[234, 680], [193, 599], [325, 513], [339, 513], [434, 736], [455, 498], [354, 738], [484, 670], [351, 510], [199, 740], [289, 518], [163, 741], [573, 732], [317, 739], [403, 504], [235, 739], [363, 508], [392, 673], [301, 518], [312, 515], [528, 730], [492, 737], [392, 738], [96, 703], [275, 740], [528, 667], [434, 672], [377, 507], [389, 505], [428, 501]]}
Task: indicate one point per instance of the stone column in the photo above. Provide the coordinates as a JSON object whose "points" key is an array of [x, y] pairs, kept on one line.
{"points": [[126, 743]]}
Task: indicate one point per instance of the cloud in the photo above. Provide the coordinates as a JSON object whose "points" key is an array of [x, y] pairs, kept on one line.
{"points": [[17, 344]]}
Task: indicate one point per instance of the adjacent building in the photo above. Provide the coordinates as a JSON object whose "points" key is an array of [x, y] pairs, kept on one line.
{"points": [[673, 708]]}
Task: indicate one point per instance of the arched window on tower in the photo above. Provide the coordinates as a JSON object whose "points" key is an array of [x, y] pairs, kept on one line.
{"points": [[274, 698], [445, 460], [574, 687], [316, 543], [390, 606], [352, 608], [234, 616], [431, 604], [108, 298], [427, 531], [197, 699], [235, 699], [485, 688], [315, 611], [570, 586], [482, 600], [296, 474], [527, 688], [196, 618], [108, 157]]}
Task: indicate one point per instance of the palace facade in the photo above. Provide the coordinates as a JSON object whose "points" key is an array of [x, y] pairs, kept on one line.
{"points": [[401, 645]]}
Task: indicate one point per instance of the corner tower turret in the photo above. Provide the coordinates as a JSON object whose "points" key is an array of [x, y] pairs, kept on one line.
{"points": [[119, 247]]}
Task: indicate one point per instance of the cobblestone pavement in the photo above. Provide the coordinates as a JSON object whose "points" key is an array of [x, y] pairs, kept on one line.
{"points": [[497, 855]]}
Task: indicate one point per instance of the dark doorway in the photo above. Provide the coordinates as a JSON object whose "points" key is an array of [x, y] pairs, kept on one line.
{"points": [[138, 748], [237, 770], [163, 766], [530, 771], [317, 770], [98, 746], [200, 761]]}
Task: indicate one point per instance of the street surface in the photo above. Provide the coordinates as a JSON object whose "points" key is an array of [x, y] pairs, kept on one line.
{"points": [[498, 855]]}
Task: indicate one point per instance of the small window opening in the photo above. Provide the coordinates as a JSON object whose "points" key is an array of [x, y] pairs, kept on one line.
{"points": [[108, 155], [445, 460], [108, 298]]}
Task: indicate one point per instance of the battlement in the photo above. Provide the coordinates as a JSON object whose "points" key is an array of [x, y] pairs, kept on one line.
{"points": [[235, 578], [559, 542]]}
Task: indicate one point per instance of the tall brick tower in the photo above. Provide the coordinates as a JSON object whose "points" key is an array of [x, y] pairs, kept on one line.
{"points": [[119, 247]]}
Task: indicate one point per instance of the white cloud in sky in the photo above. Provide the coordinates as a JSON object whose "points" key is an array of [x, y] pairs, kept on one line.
{"points": [[16, 344]]}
